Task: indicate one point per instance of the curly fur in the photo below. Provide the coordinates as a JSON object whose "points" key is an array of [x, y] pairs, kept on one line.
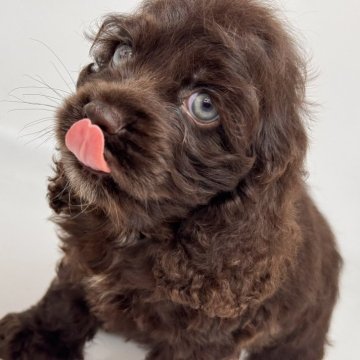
{"points": [[203, 242]]}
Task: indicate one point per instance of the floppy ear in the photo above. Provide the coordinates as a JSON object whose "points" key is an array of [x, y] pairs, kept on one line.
{"points": [[281, 142]]}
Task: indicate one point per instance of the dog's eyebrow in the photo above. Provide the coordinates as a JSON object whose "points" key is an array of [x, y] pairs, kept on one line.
{"points": [[114, 27]]}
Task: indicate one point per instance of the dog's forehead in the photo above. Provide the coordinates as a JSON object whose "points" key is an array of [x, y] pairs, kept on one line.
{"points": [[175, 11], [149, 29], [174, 40], [184, 46]]}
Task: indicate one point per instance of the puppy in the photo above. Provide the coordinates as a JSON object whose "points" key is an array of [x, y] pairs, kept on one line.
{"points": [[179, 195]]}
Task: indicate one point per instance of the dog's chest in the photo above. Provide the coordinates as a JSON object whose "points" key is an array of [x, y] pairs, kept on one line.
{"points": [[133, 311]]}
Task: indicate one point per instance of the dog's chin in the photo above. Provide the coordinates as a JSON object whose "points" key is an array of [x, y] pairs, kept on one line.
{"points": [[118, 188], [88, 184]]}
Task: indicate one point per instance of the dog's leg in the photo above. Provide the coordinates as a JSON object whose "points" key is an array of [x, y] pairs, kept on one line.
{"points": [[56, 328]]}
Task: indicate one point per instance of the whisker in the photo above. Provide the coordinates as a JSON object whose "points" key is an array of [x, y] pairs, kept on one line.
{"points": [[30, 109], [39, 87], [42, 131], [59, 73], [36, 122], [40, 80], [62, 191], [47, 133], [28, 103], [51, 98], [21, 101], [57, 57], [45, 141]]}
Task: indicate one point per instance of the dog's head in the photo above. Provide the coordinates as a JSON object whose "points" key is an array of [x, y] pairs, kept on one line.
{"points": [[195, 99]]}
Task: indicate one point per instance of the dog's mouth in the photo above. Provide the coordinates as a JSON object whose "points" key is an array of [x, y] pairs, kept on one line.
{"points": [[87, 142], [114, 148], [104, 132]]}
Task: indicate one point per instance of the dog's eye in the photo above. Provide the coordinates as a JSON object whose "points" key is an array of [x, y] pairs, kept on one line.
{"points": [[201, 107], [122, 53]]}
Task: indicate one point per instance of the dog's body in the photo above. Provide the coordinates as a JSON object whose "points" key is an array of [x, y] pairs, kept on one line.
{"points": [[202, 242]]}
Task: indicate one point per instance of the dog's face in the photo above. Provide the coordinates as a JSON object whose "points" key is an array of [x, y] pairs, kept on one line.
{"points": [[185, 93]]}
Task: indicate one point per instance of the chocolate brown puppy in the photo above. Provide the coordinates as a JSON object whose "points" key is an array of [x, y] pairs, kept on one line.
{"points": [[196, 236]]}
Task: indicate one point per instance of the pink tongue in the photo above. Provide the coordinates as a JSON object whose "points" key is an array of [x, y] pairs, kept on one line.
{"points": [[86, 141]]}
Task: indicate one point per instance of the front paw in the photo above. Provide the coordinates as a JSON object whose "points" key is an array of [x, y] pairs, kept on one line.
{"points": [[12, 337], [21, 339]]}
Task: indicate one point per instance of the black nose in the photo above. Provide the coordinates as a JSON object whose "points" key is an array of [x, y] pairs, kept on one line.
{"points": [[104, 115]]}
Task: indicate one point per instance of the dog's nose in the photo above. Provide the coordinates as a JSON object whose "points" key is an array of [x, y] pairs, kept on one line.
{"points": [[104, 115]]}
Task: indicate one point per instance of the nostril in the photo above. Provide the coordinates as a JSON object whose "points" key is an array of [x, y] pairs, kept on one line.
{"points": [[105, 116]]}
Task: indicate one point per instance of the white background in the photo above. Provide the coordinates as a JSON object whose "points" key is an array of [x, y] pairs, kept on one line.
{"points": [[328, 30]]}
